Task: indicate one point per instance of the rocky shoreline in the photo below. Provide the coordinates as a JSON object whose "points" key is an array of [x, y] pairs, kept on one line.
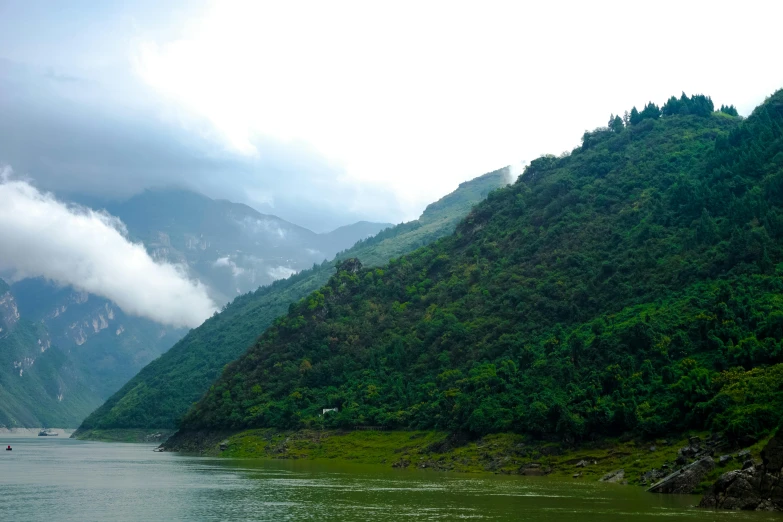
{"points": [[758, 486]]}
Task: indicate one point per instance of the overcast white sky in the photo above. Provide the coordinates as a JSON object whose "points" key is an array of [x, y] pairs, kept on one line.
{"points": [[330, 112]]}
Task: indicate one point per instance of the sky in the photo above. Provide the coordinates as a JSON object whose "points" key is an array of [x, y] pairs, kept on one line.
{"points": [[325, 113]]}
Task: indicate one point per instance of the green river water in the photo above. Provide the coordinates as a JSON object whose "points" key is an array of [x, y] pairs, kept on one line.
{"points": [[59, 479]]}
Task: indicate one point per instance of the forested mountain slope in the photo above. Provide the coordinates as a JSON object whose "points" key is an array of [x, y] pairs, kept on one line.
{"points": [[633, 285], [163, 391]]}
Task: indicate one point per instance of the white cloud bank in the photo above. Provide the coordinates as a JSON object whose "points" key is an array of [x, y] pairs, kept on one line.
{"points": [[280, 272], [226, 261], [411, 98], [40, 236]]}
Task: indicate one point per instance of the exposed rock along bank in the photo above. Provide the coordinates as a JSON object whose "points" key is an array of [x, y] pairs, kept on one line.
{"points": [[757, 486], [685, 479]]}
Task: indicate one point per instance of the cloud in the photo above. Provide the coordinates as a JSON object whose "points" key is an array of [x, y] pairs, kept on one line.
{"points": [[462, 91], [255, 226], [226, 262], [275, 105], [514, 170], [77, 246], [280, 272], [75, 143]]}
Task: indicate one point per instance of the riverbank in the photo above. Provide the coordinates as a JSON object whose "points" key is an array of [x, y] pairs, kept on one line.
{"points": [[641, 462], [33, 432], [70, 481], [124, 435]]}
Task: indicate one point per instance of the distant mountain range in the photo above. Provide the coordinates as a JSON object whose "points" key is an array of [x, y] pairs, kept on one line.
{"points": [[230, 247]]}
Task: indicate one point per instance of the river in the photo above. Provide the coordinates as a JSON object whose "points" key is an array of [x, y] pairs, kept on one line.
{"points": [[62, 479]]}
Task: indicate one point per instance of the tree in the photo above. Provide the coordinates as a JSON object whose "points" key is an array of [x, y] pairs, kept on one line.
{"points": [[671, 107], [616, 123], [685, 104], [706, 229], [650, 111], [698, 105], [635, 116], [701, 105], [730, 110]]}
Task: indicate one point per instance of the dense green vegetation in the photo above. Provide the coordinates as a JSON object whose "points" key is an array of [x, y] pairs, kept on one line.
{"points": [[632, 286], [163, 391]]}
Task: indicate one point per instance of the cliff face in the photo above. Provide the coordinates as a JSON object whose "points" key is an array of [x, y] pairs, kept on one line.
{"points": [[107, 345], [39, 384], [9, 312]]}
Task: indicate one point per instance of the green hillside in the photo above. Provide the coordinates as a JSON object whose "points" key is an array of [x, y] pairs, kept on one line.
{"points": [[163, 391], [633, 285]]}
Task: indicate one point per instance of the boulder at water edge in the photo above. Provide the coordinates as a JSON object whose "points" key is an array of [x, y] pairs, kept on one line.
{"points": [[758, 487], [685, 479]]}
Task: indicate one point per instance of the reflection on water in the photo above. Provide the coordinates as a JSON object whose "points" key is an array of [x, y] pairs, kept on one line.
{"points": [[63, 479]]}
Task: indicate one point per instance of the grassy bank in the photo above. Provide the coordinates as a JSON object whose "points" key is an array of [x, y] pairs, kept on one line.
{"points": [[499, 453], [124, 435]]}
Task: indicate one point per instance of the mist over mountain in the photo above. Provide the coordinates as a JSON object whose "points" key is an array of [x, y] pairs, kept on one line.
{"points": [[110, 290], [230, 247], [89, 250]]}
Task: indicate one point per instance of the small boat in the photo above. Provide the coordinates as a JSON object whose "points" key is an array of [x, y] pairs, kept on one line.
{"points": [[9, 448], [47, 433]]}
